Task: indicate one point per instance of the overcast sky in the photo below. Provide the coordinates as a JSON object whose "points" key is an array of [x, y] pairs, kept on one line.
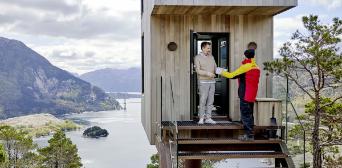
{"points": [[84, 35]]}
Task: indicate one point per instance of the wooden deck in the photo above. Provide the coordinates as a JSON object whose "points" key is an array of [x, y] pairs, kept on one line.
{"points": [[225, 141], [229, 155], [193, 125], [190, 141]]}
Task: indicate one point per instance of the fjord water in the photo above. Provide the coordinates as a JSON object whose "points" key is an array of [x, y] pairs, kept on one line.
{"points": [[127, 145]]}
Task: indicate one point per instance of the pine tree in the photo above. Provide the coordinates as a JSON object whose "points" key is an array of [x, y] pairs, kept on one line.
{"points": [[18, 149], [3, 155], [316, 54], [61, 153]]}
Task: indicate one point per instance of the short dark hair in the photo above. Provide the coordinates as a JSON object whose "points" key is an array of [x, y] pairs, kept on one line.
{"points": [[252, 43], [205, 43]]}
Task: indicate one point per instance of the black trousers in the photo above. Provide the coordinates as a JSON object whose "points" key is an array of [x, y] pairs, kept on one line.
{"points": [[247, 118]]}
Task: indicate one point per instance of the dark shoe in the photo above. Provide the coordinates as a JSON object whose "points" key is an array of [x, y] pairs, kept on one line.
{"points": [[246, 137]]}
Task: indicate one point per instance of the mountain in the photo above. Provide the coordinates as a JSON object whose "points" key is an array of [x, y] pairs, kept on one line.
{"points": [[123, 95], [30, 84], [115, 80]]}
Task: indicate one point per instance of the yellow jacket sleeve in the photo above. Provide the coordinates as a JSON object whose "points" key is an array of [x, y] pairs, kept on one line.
{"points": [[242, 69]]}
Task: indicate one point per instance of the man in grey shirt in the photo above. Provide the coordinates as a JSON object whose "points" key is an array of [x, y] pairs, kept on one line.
{"points": [[205, 68]]}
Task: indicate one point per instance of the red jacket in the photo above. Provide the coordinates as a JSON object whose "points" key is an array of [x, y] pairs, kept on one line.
{"points": [[248, 74]]}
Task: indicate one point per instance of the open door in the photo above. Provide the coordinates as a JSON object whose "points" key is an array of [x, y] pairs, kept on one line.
{"points": [[221, 91], [220, 52], [193, 75]]}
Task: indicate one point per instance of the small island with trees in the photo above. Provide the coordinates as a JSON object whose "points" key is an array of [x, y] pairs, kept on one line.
{"points": [[95, 132]]}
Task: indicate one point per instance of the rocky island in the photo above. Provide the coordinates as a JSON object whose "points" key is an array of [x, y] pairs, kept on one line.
{"points": [[95, 132]]}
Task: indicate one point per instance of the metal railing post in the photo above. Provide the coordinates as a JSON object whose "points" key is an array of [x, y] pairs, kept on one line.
{"points": [[286, 107]]}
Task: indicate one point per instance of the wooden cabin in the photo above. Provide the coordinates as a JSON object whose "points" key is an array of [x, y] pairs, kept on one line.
{"points": [[171, 33]]}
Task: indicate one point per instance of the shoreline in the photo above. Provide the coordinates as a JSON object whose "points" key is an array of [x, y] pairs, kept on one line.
{"points": [[39, 125], [44, 124]]}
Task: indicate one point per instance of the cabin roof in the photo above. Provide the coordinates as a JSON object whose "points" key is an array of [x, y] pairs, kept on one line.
{"points": [[227, 2], [219, 7], [219, 10]]}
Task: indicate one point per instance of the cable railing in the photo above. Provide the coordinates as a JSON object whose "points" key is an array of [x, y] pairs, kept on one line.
{"points": [[174, 141], [288, 100], [302, 128], [171, 127]]}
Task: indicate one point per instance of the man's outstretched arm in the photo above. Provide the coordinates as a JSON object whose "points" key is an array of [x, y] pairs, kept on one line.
{"points": [[242, 69]]}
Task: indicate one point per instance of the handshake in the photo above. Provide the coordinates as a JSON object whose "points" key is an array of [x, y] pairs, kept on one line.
{"points": [[219, 70]]}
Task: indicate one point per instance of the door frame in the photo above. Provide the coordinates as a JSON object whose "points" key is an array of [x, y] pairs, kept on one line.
{"points": [[193, 76]]}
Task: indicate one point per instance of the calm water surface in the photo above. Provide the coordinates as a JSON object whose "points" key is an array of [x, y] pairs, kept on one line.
{"points": [[127, 145]]}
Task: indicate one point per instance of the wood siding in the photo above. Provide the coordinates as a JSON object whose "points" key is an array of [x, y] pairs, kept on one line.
{"points": [[173, 67], [146, 110], [243, 30], [165, 21], [263, 111]]}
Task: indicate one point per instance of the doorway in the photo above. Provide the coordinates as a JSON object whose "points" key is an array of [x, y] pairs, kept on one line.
{"points": [[220, 49]]}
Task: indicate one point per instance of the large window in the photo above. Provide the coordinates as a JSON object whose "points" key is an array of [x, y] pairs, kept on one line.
{"points": [[142, 64]]}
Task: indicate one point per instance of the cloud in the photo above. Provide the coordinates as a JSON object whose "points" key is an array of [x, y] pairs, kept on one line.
{"points": [[83, 56], [284, 27], [76, 21], [87, 26], [330, 4], [76, 35], [89, 54], [62, 54], [288, 23], [63, 6]]}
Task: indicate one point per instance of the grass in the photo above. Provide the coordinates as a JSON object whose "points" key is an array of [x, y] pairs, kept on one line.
{"points": [[49, 128]]}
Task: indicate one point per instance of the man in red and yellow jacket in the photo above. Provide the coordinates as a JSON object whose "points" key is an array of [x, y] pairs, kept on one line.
{"points": [[248, 75]]}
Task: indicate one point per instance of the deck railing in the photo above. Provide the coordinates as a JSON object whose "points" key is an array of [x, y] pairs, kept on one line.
{"points": [[288, 100]]}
